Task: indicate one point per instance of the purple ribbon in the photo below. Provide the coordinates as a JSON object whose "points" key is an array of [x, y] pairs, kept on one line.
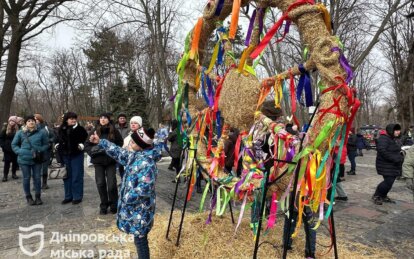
{"points": [[238, 184], [304, 85], [172, 98], [345, 65], [212, 206], [219, 7], [249, 31], [290, 154]]}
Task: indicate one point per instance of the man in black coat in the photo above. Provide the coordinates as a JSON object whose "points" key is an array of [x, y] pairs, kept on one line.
{"points": [[389, 162]]}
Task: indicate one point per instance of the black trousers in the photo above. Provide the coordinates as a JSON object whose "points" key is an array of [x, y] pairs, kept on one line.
{"points": [[10, 159], [175, 163], [385, 186], [105, 177]]}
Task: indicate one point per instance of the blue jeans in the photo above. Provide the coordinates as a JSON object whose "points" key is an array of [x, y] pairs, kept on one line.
{"points": [[31, 171], [142, 247], [351, 157], [74, 182]]}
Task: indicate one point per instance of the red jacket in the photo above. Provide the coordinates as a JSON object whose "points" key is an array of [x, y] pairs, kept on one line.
{"points": [[343, 155]]}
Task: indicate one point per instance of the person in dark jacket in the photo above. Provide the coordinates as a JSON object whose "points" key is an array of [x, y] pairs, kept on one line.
{"points": [[352, 151], [70, 139], [10, 158], [105, 166], [26, 143], [360, 143], [388, 162], [176, 148], [41, 125]]}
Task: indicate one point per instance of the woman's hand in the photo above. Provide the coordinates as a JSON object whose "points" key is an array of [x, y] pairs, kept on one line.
{"points": [[94, 138]]}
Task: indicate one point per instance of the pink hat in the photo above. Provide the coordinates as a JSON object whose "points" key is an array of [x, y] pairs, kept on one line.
{"points": [[13, 118]]}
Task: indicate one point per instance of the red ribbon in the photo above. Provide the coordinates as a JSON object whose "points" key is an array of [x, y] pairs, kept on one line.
{"points": [[269, 35]]}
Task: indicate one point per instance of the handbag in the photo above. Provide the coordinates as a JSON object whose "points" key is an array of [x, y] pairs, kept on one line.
{"points": [[37, 156], [57, 171], [96, 151]]}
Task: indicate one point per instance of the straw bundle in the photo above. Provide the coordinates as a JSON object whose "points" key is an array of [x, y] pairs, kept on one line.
{"points": [[219, 240], [239, 98]]}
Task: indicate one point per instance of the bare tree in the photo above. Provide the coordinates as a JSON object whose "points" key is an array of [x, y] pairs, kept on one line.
{"points": [[22, 21]]}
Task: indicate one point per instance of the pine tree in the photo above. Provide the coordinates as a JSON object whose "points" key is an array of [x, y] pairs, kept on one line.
{"points": [[137, 100], [118, 97]]}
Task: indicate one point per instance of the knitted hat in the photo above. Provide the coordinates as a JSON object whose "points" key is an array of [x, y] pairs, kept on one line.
{"points": [[137, 119], [143, 137], [29, 117], [14, 119]]}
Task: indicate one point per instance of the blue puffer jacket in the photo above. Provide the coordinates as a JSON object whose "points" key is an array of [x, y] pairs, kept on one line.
{"points": [[136, 204], [38, 139]]}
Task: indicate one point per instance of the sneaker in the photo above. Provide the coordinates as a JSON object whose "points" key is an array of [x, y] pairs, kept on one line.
{"points": [[387, 200], [377, 200], [351, 173], [103, 211], [15, 176], [4, 179], [74, 202], [340, 198], [113, 210]]}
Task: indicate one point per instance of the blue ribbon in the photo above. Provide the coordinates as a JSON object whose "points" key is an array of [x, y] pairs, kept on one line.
{"points": [[304, 85], [219, 7], [218, 123], [210, 92], [202, 84]]}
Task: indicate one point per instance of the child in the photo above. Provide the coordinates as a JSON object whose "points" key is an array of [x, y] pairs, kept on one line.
{"points": [[136, 204]]}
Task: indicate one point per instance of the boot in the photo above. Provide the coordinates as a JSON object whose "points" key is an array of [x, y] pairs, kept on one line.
{"points": [[14, 176], [352, 172], [44, 182], [30, 200], [38, 201], [4, 178]]}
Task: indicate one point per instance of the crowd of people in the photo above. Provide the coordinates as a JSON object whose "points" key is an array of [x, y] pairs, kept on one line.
{"points": [[29, 144]]}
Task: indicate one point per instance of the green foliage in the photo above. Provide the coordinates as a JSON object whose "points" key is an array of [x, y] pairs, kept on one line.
{"points": [[118, 97], [137, 104]]}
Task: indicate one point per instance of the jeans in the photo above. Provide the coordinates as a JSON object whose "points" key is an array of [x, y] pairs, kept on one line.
{"points": [[31, 171], [142, 247], [73, 184], [310, 244], [340, 190], [385, 186], [105, 178], [351, 157]]}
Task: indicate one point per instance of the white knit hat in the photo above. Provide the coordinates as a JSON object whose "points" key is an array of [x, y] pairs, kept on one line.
{"points": [[137, 119]]}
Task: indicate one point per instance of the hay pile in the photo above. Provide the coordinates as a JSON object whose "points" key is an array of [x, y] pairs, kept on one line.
{"points": [[217, 240]]}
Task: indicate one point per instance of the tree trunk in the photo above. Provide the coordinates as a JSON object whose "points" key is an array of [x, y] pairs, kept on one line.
{"points": [[10, 80]]}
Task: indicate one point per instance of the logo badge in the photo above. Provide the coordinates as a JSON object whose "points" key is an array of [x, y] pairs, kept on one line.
{"points": [[28, 234]]}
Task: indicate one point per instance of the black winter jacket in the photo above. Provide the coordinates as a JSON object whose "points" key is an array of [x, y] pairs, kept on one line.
{"points": [[389, 158], [69, 138], [351, 146], [97, 154], [6, 140]]}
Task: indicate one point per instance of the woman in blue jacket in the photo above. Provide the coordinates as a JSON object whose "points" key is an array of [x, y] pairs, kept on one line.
{"points": [[136, 205], [25, 143]]}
